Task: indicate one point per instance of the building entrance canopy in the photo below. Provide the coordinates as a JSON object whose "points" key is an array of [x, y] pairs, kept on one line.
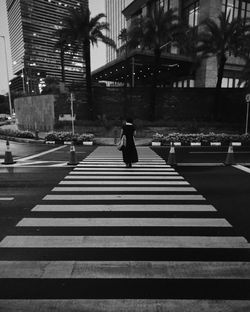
{"points": [[138, 67]]}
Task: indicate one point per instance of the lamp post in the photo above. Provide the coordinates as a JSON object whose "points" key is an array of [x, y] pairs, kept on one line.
{"points": [[7, 71]]}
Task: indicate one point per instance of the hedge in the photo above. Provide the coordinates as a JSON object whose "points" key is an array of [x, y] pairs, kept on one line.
{"points": [[17, 133], [68, 136], [205, 139]]}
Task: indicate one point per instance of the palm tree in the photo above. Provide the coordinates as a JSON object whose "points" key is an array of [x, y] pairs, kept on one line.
{"points": [[81, 30], [123, 36], [221, 39], [187, 41], [63, 46], [153, 32]]}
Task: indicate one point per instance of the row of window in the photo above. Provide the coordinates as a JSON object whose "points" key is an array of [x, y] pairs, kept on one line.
{"points": [[188, 83], [231, 83], [232, 7], [226, 83]]}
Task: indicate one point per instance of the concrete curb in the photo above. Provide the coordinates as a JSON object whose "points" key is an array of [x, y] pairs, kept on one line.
{"points": [[21, 140]]}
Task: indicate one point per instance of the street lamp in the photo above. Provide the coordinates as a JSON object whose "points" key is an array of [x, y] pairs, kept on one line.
{"points": [[6, 61]]}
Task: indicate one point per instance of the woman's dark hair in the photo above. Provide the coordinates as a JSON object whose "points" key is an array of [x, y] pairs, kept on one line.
{"points": [[130, 120]]}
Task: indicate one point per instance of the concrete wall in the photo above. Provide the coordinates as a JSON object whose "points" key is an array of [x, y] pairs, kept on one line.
{"points": [[171, 104], [35, 112]]}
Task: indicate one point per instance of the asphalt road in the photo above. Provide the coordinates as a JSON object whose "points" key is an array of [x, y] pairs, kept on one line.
{"points": [[226, 188]]}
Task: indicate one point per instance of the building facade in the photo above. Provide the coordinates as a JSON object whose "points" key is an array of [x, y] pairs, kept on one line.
{"points": [[117, 22], [192, 12], [32, 26]]}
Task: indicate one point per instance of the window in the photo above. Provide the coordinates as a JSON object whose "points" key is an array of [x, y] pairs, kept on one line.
{"points": [[191, 83], [230, 82], [159, 3], [190, 13], [232, 8]]}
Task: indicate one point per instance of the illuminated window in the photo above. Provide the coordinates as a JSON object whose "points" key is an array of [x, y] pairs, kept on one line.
{"points": [[230, 82], [232, 7], [190, 14]]}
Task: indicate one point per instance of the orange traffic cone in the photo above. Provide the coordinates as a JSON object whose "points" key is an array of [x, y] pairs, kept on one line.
{"points": [[72, 156], [171, 156], [8, 159], [230, 156]]}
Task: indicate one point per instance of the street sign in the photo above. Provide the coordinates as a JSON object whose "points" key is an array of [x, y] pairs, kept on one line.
{"points": [[247, 97]]}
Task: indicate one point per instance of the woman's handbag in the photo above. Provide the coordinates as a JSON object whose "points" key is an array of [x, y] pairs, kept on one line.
{"points": [[122, 144]]}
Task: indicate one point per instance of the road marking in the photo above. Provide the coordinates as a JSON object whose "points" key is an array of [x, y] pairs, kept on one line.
{"points": [[123, 222], [120, 197], [41, 154], [240, 167], [114, 305], [122, 170], [131, 182], [133, 207], [113, 189], [125, 172], [118, 165], [6, 198], [124, 242], [125, 269], [225, 152], [201, 164], [111, 161], [123, 178]]}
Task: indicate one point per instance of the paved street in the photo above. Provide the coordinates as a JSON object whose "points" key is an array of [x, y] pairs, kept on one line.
{"points": [[150, 238]]}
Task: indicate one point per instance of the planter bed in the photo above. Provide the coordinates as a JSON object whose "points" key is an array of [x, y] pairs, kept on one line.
{"points": [[202, 139], [87, 143], [156, 143], [236, 144], [50, 142], [195, 144]]}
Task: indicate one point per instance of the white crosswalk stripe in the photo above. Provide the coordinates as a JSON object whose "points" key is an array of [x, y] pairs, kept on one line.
{"points": [[108, 225]]}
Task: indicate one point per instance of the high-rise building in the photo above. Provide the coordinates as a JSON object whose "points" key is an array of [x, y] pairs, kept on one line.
{"points": [[32, 26], [116, 22]]}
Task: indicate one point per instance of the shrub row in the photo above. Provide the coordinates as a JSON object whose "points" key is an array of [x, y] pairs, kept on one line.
{"points": [[68, 136], [17, 133], [205, 139]]}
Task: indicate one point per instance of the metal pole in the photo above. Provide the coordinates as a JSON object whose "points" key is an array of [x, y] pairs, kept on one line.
{"points": [[23, 81], [7, 71], [133, 72], [247, 115], [72, 112]]}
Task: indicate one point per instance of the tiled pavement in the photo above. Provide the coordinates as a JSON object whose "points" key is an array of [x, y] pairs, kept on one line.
{"points": [[109, 238]]}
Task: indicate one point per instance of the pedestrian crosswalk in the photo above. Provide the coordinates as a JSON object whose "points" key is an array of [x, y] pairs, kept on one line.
{"points": [[110, 238]]}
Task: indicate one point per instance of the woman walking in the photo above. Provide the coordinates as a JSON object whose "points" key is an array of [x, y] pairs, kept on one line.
{"points": [[129, 151]]}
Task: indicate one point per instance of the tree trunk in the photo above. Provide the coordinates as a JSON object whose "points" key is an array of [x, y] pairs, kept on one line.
{"points": [[86, 52], [125, 102], [217, 102], [239, 9], [62, 65], [157, 57]]}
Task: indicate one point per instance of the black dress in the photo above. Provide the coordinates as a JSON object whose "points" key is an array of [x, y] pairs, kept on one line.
{"points": [[129, 153]]}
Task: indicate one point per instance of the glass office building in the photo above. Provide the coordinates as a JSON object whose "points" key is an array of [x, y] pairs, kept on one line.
{"points": [[116, 22], [32, 26]]}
